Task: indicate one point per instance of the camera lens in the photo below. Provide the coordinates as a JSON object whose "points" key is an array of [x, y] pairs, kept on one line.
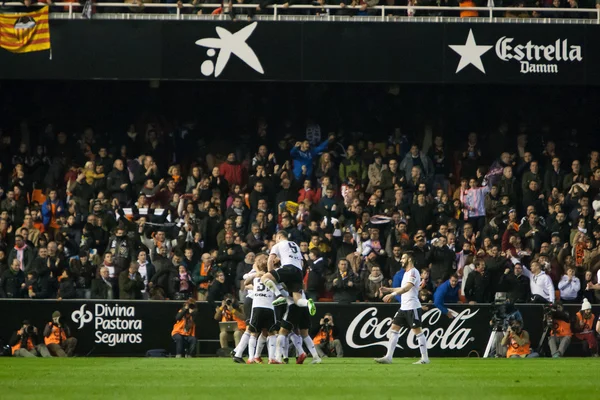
{"points": [[326, 320]]}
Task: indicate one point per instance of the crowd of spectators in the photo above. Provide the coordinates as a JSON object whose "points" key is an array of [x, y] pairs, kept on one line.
{"points": [[351, 7], [134, 216]]}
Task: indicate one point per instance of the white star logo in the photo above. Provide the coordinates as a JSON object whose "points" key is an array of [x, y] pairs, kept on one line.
{"points": [[470, 53], [229, 44]]}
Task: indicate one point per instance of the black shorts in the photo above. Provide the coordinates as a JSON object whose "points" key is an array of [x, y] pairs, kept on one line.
{"points": [[409, 318], [262, 318], [296, 318], [247, 307], [290, 276]]}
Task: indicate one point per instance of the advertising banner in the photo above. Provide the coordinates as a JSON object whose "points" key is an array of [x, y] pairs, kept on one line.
{"points": [[131, 328], [313, 51]]}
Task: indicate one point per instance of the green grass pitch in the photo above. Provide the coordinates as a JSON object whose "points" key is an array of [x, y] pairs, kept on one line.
{"points": [[347, 378]]}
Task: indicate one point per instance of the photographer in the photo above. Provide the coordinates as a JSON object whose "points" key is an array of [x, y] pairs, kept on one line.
{"points": [[57, 337], [184, 330], [560, 336], [230, 311], [504, 314], [517, 341], [25, 342], [326, 338]]}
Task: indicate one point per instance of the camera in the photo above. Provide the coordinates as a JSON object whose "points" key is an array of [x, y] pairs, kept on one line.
{"points": [[325, 321], [30, 330], [548, 318], [192, 307], [228, 302]]}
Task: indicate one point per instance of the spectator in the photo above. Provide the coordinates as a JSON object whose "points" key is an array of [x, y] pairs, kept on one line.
{"points": [[131, 283], [21, 252], [352, 163], [344, 284], [569, 287], [12, 282], [303, 155], [476, 289], [103, 287], [57, 337], [416, 158], [374, 282], [66, 287], [316, 269], [184, 330], [542, 289], [447, 292]]}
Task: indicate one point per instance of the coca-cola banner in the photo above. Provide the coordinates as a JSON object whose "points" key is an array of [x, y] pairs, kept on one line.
{"points": [[119, 328], [295, 51]]}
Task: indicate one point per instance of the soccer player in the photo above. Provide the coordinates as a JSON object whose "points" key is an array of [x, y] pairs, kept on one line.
{"points": [[410, 313], [295, 318], [262, 317], [290, 272]]}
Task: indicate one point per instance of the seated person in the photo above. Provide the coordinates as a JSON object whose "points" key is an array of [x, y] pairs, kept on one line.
{"points": [[230, 311]]}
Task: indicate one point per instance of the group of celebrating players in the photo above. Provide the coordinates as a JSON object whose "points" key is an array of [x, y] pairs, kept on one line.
{"points": [[281, 313]]}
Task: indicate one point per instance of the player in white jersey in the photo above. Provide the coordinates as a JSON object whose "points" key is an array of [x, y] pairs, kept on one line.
{"points": [[290, 272], [410, 313], [295, 319]]}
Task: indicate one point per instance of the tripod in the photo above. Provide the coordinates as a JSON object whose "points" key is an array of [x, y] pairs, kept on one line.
{"points": [[540, 349], [492, 341]]}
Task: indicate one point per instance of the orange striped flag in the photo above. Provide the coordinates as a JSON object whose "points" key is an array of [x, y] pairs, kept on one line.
{"points": [[23, 33]]}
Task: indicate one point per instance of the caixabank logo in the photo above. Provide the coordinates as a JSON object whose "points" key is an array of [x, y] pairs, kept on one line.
{"points": [[524, 56]]}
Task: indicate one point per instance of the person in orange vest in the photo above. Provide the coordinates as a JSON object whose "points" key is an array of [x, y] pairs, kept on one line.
{"points": [[560, 336], [517, 340], [584, 326], [25, 342], [326, 338], [230, 311], [57, 337], [184, 330]]}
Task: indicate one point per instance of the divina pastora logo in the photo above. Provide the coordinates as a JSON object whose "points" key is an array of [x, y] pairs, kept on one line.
{"points": [[532, 58], [112, 324], [227, 44]]}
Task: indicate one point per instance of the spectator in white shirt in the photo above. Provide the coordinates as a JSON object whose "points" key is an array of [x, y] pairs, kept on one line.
{"points": [[542, 289], [569, 287]]}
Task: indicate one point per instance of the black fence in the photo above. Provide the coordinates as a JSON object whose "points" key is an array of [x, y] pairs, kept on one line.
{"points": [[315, 51], [119, 328]]}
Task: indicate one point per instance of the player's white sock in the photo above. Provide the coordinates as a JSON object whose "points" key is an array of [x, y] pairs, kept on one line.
{"points": [[251, 347], [302, 303], [284, 293], [260, 344], [423, 346], [280, 347], [310, 345], [239, 350], [273, 287], [392, 344], [272, 343], [297, 340]]}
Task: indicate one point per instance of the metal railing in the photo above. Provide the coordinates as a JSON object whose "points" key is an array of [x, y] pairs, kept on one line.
{"points": [[377, 13]]}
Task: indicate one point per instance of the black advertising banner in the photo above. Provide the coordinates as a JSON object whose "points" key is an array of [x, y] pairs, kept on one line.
{"points": [[416, 52], [130, 328]]}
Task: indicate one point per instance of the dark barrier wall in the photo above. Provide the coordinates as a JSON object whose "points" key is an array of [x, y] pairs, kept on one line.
{"points": [[315, 51], [131, 328]]}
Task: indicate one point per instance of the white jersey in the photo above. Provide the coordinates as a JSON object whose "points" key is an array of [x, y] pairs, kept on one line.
{"points": [[410, 299], [250, 292], [289, 253], [262, 296]]}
